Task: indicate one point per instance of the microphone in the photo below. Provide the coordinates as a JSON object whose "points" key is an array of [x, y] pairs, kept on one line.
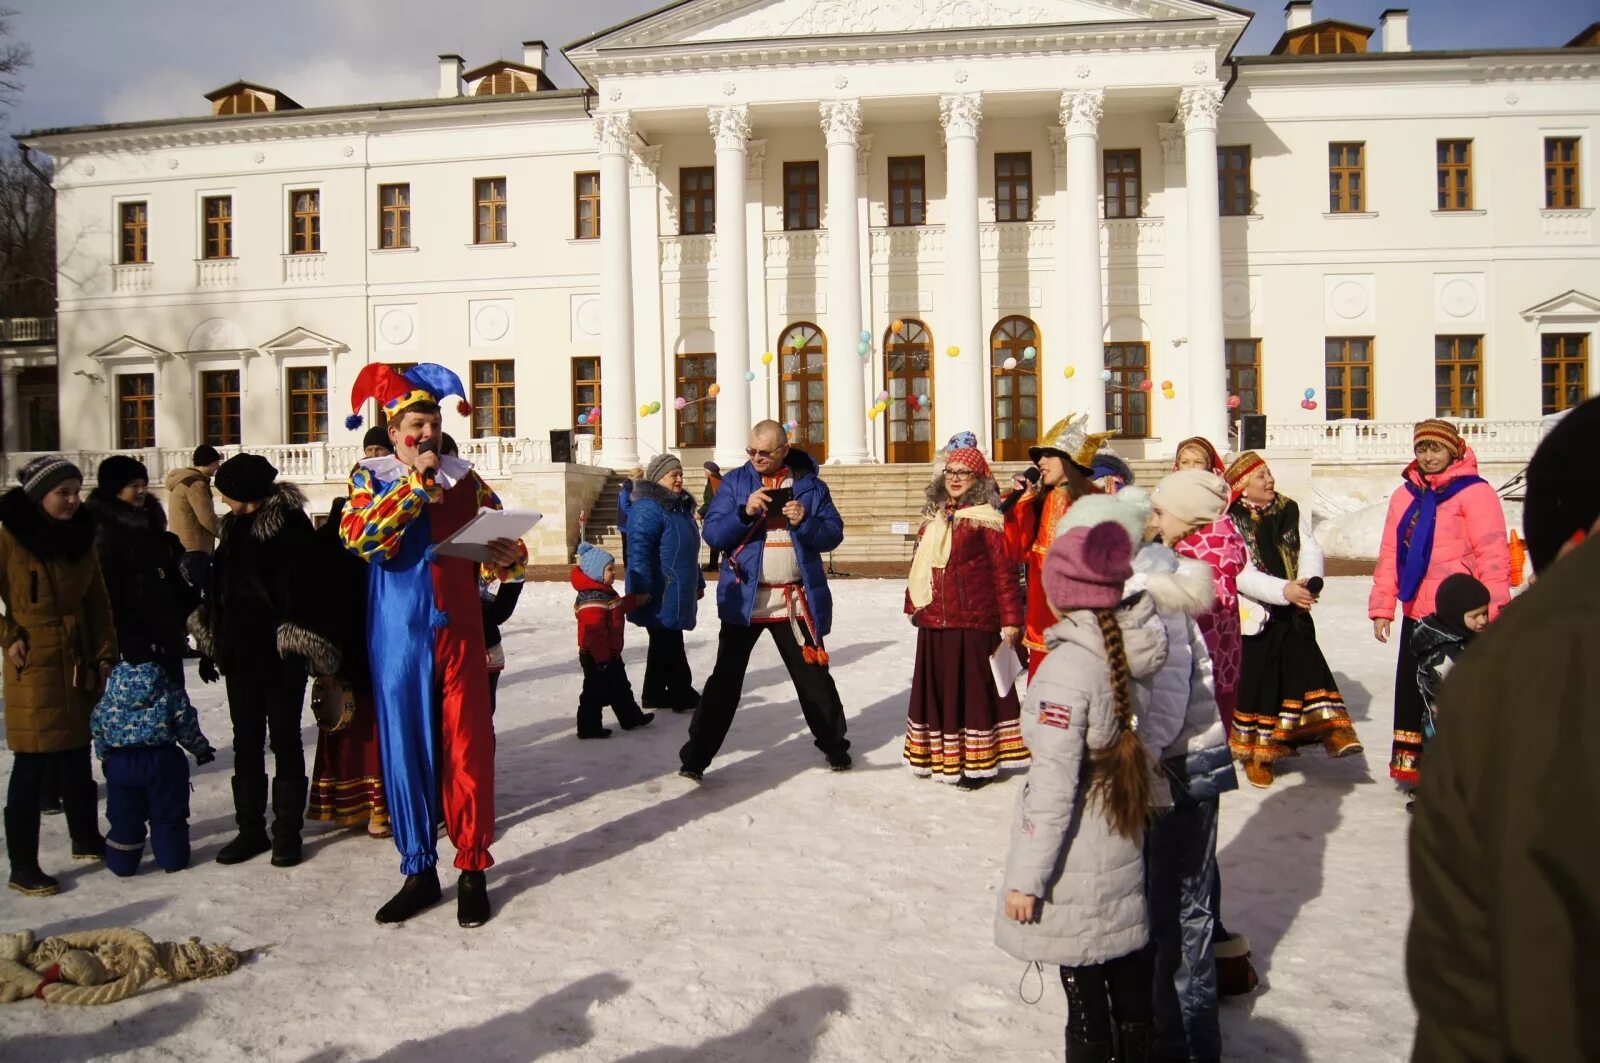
{"points": [[1030, 474], [425, 446], [1314, 585]]}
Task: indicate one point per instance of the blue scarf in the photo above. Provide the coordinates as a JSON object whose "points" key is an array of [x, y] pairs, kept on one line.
{"points": [[1413, 552]]}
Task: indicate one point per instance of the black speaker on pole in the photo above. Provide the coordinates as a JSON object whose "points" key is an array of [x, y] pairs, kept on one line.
{"points": [[1253, 431], [561, 446]]}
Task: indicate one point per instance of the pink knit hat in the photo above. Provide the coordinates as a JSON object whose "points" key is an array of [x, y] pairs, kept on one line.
{"points": [[1086, 567]]}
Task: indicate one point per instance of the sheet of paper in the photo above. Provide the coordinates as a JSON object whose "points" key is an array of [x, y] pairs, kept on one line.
{"points": [[472, 540], [1006, 666]]}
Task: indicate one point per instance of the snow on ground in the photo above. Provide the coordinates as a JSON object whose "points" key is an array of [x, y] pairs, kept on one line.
{"points": [[777, 913]]}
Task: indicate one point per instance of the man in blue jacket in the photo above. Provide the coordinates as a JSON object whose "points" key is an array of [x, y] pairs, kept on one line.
{"points": [[773, 519]]}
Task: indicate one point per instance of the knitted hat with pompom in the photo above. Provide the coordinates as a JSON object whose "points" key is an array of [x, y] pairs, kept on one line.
{"points": [[592, 560], [1086, 567]]}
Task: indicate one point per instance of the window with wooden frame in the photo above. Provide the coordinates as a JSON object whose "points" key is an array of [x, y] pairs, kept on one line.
{"points": [[1561, 169], [1324, 40], [1348, 387], [1564, 370], [1243, 358], [307, 389], [1120, 174], [697, 421], [394, 216], [379, 417], [803, 387], [1014, 392], [908, 190], [697, 200], [1127, 406], [217, 218], [136, 411], [1233, 181], [305, 222], [802, 204], [134, 223], [1454, 162], [585, 393], [494, 399], [1347, 178], [1458, 376], [489, 199], [1013, 186], [219, 407], [586, 205]]}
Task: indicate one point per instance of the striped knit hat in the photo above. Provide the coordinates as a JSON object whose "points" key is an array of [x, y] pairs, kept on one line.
{"points": [[41, 475], [1240, 471], [1433, 430]]}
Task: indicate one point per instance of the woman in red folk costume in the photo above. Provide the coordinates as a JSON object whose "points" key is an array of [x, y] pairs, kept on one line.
{"points": [[425, 637], [1219, 545], [965, 601]]}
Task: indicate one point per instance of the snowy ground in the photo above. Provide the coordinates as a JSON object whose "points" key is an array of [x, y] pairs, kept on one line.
{"points": [[777, 913]]}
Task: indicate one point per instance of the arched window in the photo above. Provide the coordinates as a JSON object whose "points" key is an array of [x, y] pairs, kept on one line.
{"points": [[908, 375], [1328, 40], [1015, 390], [502, 83], [803, 387]]}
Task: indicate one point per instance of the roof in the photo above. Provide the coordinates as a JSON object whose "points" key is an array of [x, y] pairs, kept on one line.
{"points": [[236, 87], [1586, 37], [1313, 28], [540, 78], [1555, 54]]}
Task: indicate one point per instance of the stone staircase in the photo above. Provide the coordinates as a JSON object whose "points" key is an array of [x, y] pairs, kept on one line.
{"points": [[881, 506]]}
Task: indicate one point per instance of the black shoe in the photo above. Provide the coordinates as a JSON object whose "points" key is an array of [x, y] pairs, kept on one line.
{"points": [[967, 782], [604, 732], [248, 845], [32, 882], [691, 774], [472, 899], [91, 850], [286, 849], [839, 761], [419, 892], [642, 720], [688, 704], [1088, 1051], [660, 704]]}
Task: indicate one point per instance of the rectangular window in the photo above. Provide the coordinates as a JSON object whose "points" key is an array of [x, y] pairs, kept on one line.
{"points": [[586, 206], [1121, 177], [136, 411], [1233, 180], [308, 404], [135, 220], [394, 216], [305, 233], [489, 197], [494, 399], [697, 200], [1454, 159], [697, 421], [1244, 375], [802, 207], [908, 190], [1564, 367], [1127, 406], [219, 407], [585, 393], [218, 220], [1347, 178], [1348, 388], [1561, 173], [1013, 186], [1458, 376]]}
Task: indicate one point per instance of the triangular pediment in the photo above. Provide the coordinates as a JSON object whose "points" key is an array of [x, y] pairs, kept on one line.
{"points": [[303, 339], [1571, 303], [128, 349]]}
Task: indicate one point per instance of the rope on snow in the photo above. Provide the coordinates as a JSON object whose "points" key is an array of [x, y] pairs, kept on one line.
{"points": [[102, 966]]}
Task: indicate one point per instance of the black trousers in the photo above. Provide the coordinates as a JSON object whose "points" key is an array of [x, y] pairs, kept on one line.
{"points": [[668, 682], [1405, 756], [265, 708], [605, 683], [819, 698], [71, 772], [1103, 996]]}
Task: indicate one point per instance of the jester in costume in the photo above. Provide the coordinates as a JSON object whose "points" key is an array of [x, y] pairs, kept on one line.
{"points": [[425, 636], [1064, 458]]}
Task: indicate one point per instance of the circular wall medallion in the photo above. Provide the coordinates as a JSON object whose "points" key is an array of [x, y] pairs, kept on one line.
{"points": [[1236, 300], [492, 323], [88, 169], [172, 164], [589, 318], [1459, 297], [1201, 66], [349, 150], [217, 334], [395, 326], [1349, 299]]}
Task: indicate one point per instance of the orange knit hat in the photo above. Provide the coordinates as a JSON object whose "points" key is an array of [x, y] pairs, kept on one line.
{"points": [[1444, 433]]}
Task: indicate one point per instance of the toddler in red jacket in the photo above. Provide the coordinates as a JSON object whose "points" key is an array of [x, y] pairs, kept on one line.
{"points": [[600, 612]]}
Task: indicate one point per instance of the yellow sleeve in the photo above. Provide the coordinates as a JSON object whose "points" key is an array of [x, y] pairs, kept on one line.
{"points": [[374, 522], [9, 630], [487, 499]]}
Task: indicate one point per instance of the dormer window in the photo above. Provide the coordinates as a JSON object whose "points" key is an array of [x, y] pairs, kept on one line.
{"points": [[242, 97], [505, 78], [504, 83], [1324, 38]]}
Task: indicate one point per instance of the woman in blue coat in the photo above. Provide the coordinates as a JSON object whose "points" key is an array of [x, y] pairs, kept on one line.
{"points": [[663, 561]]}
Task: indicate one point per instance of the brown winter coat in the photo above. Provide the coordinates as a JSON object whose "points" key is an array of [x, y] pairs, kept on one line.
{"points": [[1505, 873], [191, 512], [57, 604]]}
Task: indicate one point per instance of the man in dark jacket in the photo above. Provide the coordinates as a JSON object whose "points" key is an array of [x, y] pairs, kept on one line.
{"points": [[1505, 875], [774, 518]]}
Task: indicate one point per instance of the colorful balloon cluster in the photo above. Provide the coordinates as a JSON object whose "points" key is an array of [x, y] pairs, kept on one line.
{"points": [[1166, 390], [648, 408], [590, 416], [1233, 402], [1309, 402], [864, 347]]}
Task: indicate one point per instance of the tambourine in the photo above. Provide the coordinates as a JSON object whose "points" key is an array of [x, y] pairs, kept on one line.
{"points": [[333, 703]]}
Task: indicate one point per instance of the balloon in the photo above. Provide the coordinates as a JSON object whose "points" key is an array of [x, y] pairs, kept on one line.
{"points": [[1029, 354], [644, 410], [583, 418], [655, 407], [1305, 404], [883, 396], [1105, 376], [952, 350], [749, 375], [1168, 393], [679, 403], [594, 413], [1009, 363], [863, 347], [714, 390], [1311, 393], [1166, 385], [1069, 371], [923, 399], [1312, 406], [1233, 402], [766, 358], [1146, 384], [897, 326]]}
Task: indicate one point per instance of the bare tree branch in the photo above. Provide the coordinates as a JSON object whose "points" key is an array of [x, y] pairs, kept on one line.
{"points": [[15, 57]]}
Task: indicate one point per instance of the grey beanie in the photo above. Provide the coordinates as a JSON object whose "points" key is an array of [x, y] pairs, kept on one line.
{"points": [[660, 465], [41, 475]]}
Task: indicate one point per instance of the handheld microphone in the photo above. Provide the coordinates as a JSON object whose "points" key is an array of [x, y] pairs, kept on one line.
{"points": [[1314, 585], [1031, 475], [425, 446]]}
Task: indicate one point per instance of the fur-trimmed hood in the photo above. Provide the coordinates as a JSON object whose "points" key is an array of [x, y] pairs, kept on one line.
{"points": [[41, 536], [1175, 584], [268, 521], [672, 501]]}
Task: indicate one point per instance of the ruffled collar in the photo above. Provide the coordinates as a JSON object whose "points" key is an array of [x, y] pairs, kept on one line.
{"points": [[452, 470]]}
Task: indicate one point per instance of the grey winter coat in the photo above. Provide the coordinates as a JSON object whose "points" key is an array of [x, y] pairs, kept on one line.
{"points": [[1063, 851]]}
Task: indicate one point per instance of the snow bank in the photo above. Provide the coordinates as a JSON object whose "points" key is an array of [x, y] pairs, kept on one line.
{"points": [[1358, 533]]}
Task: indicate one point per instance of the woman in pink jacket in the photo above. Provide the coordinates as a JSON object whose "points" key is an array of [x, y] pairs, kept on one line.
{"points": [[1444, 519]]}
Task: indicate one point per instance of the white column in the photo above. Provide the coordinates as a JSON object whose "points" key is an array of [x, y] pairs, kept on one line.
{"points": [[1208, 389], [731, 128], [959, 402], [653, 374], [1080, 115], [11, 439], [847, 399], [1169, 357], [619, 414]]}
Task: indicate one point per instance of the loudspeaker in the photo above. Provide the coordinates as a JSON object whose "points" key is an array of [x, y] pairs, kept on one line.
{"points": [[1253, 431], [561, 446]]}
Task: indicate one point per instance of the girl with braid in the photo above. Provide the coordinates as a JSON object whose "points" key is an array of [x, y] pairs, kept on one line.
{"points": [[1073, 893]]}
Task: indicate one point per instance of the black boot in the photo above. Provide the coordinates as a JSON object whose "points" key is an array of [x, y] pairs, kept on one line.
{"points": [[1088, 1051], [419, 892], [472, 899], [250, 812], [636, 719], [80, 800], [288, 816], [22, 845], [1136, 1042]]}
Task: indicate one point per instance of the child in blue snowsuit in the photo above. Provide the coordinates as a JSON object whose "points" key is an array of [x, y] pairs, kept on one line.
{"points": [[140, 722]]}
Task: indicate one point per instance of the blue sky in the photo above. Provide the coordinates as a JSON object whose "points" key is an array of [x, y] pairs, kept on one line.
{"points": [[123, 60]]}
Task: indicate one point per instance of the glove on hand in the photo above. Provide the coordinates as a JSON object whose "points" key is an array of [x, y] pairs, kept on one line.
{"points": [[205, 756], [208, 670]]}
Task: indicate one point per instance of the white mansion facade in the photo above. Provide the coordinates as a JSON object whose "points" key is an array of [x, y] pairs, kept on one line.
{"points": [[996, 212]]}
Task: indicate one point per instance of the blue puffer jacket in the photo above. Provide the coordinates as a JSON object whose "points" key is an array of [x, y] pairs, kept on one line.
{"points": [[728, 526], [664, 558], [142, 706], [624, 505]]}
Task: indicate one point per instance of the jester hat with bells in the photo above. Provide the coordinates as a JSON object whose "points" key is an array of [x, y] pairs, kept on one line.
{"points": [[393, 390], [1071, 439]]}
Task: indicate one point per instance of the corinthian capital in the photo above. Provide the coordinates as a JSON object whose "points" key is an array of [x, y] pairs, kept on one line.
{"points": [[730, 126], [1198, 107], [613, 131], [961, 114], [841, 120], [1081, 110]]}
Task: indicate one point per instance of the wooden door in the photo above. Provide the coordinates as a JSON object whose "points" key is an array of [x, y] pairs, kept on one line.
{"points": [[908, 375], [1015, 390], [803, 384]]}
